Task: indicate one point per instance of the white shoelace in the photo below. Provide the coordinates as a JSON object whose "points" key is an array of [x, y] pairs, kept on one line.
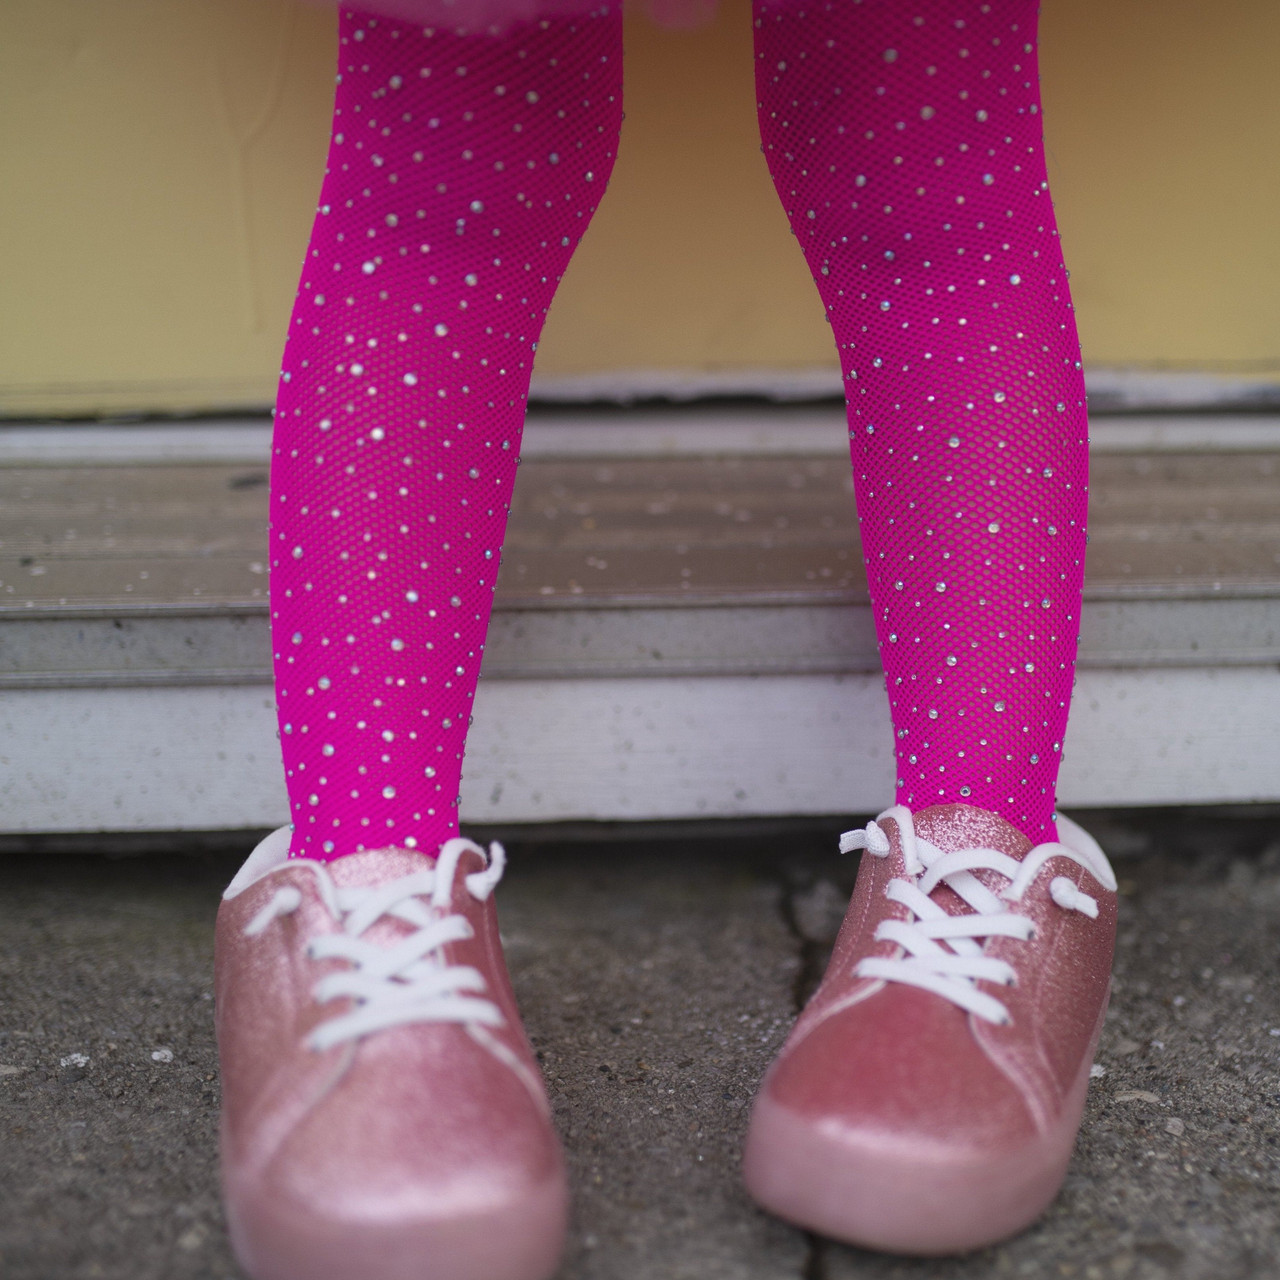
{"points": [[408, 981], [942, 952]]}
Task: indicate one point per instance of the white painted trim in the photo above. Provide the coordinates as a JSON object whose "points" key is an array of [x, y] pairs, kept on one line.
{"points": [[622, 749], [626, 386], [1111, 387], [1182, 389], [609, 433], [228, 441], [1110, 390], [699, 431], [1184, 433]]}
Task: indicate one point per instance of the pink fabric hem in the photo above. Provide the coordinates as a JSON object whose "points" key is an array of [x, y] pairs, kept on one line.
{"points": [[492, 16]]}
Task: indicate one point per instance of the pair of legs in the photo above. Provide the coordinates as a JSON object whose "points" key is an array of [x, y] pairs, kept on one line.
{"points": [[905, 142], [383, 1113]]}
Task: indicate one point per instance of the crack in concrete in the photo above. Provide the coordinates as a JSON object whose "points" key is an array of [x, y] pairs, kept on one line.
{"points": [[815, 1258], [812, 955]]}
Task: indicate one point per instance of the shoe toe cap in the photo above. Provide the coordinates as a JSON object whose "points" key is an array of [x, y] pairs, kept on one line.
{"points": [[886, 1125], [421, 1144], [900, 1062]]}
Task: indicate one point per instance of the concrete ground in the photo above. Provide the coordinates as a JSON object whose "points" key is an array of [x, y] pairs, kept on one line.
{"points": [[657, 980]]}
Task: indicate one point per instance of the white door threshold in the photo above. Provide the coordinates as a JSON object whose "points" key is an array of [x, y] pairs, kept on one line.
{"points": [[191, 758], [721, 664]]}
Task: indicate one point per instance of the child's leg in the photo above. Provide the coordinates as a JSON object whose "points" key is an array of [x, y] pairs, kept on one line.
{"points": [[928, 1098], [463, 171], [905, 141]]}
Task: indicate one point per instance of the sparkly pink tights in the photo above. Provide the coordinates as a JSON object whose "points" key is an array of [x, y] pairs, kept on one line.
{"points": [[462, 172], [904, 138]]}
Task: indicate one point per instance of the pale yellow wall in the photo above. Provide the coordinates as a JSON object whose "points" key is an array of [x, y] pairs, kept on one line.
{"points": [[690, 260], [161, 158], [1163, 129], [161, 161]]}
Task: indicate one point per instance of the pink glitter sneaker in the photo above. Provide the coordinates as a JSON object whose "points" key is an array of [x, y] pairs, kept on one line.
{"points": [[928, 1097], [383, 1115]]}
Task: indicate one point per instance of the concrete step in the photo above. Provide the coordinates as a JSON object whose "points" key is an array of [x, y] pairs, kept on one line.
{"points": [[681, 549]]}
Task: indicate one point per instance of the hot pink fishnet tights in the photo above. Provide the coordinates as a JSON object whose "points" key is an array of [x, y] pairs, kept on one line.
{"points": [[905, 141], [462, 172], [904, 137]]}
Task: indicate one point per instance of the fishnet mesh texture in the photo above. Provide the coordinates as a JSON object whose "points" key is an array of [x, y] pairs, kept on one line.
{"points": [[462, 172], [905, 141]]}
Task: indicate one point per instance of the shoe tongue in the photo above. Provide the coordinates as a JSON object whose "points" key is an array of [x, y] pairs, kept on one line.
{"points": [[373, 867], [963, 826]]}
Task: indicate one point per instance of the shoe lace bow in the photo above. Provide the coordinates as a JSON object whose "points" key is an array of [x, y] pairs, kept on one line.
{"points": [[943, 953], [409, 980]]}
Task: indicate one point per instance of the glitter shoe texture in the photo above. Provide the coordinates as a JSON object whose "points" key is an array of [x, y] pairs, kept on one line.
{"points": [[462, 172], [905, 143], [420, 1151], [894, 1118]]}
